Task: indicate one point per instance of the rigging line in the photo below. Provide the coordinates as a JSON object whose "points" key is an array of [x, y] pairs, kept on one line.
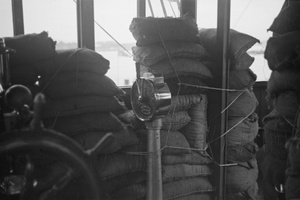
{"points": [[110, 35], [151, 9], [242, 13], [172, 9], [163, 8], [112, 38]]}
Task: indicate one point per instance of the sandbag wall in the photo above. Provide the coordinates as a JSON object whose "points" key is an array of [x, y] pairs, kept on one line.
{"points": [[278, 160], [241, 170], [176, 57]]}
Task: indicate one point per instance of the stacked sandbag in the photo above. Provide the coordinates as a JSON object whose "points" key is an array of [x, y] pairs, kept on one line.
{"points": [[185, 171], [280, 126], [178, 58], [242, 170], [81, 101], [29, 49]]}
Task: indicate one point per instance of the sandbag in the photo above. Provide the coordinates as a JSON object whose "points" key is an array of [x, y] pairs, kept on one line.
{"points": [[184, 102], [151, 54], [272, 171], [182, 171], [240, 79], [23, 74], [197, 196], [131, 178], [181, 67], [193, 158], [242, 131], [243, 62], [283, 80], [76, 124], [250, 194], [113, 165], [122, 138], [130, 192], [73, 61], [174, 121], [286, 104], [287, 20], [281, 51], [80, 104], [241, 177], [239, 44], [196, 130], [30, 48], [185, 187], [241, 103], [186, 85], [85, 83], [150, 30], [241, 153], [172, 143]]}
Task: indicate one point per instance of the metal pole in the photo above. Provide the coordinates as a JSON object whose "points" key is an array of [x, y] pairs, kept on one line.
{"points": [[223, 36], [154, 177]]}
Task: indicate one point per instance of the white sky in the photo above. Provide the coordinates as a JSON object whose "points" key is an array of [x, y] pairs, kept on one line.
{"points": [[58, 17]]}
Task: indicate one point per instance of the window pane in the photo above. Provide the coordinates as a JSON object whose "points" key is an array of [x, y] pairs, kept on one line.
{"points": [[165, 8], [57, 17], [113, 38], [252, 17], [6, 22]]}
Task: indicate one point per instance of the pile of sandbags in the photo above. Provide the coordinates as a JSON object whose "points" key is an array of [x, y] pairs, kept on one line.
{"points": [[185, 163], [242, 170], [283, 55]]}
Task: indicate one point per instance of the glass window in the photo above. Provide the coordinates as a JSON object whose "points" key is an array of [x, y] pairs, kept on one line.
{"points": [[6, 22], [113, 39], [164, 8], [252, 17], [57, 17]]}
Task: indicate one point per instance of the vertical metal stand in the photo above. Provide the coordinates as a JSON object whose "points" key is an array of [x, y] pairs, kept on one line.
{"points": [[154, 177]]}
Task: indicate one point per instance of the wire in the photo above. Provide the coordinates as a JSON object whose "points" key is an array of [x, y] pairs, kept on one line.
{"points": [[243, 12]]}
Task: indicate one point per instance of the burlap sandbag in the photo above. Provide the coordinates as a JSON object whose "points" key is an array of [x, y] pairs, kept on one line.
{"points": [[122, 138], [150, 30], [272, 171], [193, 158], [185, 187], [151, 54], [283, 80], [181, 66], [76, 124], [197, 196], [116, 164], [73, 60], [241, 103], [242, 153], [196, 131], [76, 84], [174, 121], [239, 44], [186, 85], [172, 143], [182, 171], [281, 50], [80, 104], [184, 102], [243, 62], [277, 131], [241, 130], [136, 191], [250, 194], [286, 104], [241, 177], [287, 20], [30, 48], [238, 79]]}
